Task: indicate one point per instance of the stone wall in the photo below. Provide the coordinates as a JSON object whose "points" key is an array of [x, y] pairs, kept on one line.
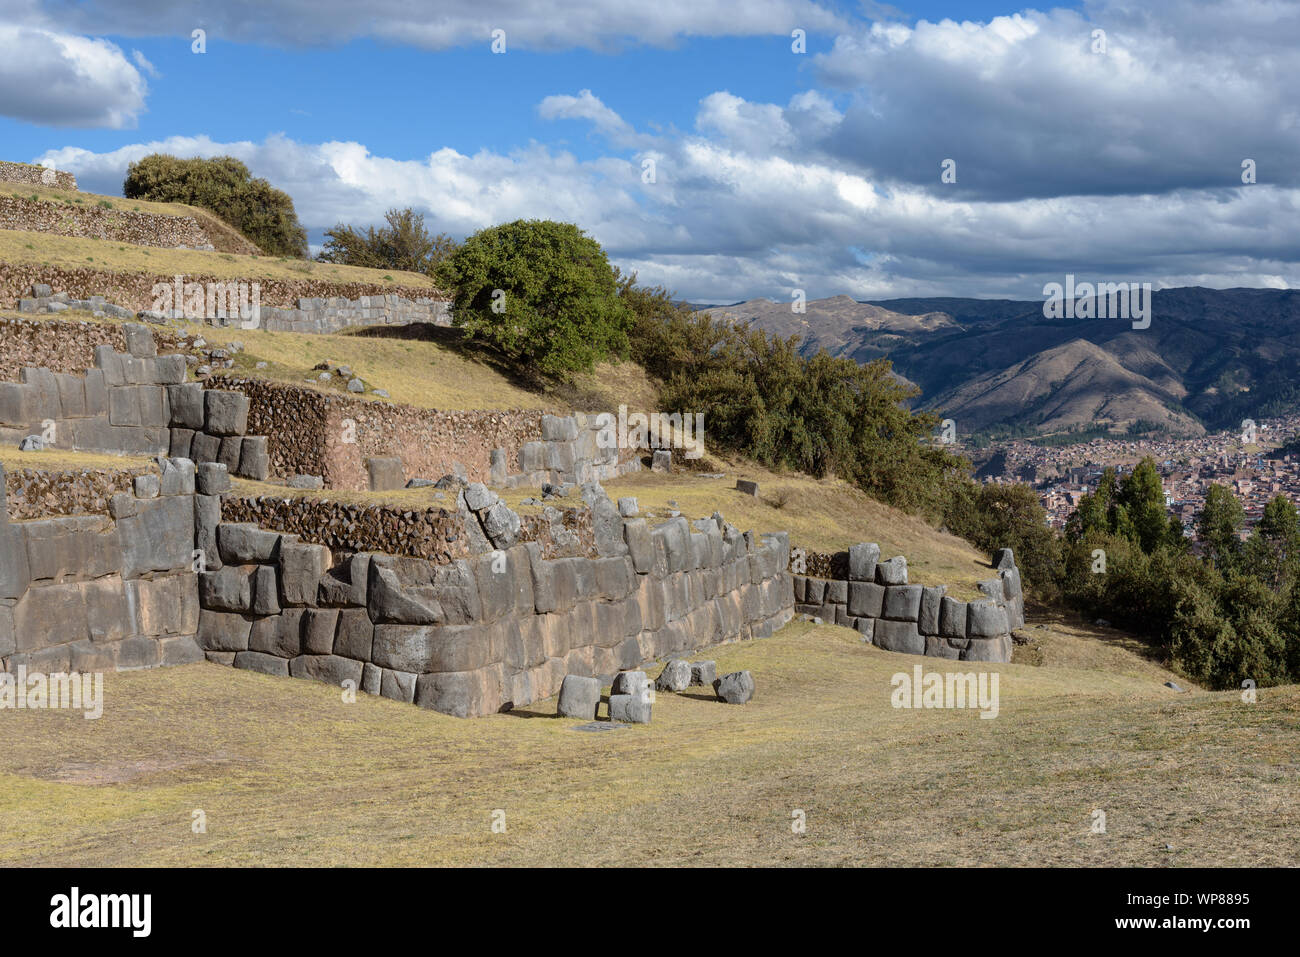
{"points": [[60, 218], [100, 593], [35, 493], [36, 176], [334, 436], [330, 315], [166, 577], [855, 589], [62, 345], [134, 290], [134, 402], [497, 629]]}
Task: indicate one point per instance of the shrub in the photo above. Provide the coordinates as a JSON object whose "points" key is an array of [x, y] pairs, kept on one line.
{"points": [[404, 244], [541, 292], [224, 186], [761, 398]]}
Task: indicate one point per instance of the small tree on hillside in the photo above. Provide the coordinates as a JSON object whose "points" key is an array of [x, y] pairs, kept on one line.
{"points": [[403, 244], [540, 291], [224, 186]]}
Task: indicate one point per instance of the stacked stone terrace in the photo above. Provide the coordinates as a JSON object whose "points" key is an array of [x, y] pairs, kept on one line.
{"points": [[860, 591], [492, 613], [324, 316], [134, 402], [103, 592]]}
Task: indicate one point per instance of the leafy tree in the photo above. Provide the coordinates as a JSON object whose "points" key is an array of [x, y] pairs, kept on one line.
{"points": [[1009, 516], [541, 292], [1218, 524], [403, 244], [223, 186], [1142, 498]]}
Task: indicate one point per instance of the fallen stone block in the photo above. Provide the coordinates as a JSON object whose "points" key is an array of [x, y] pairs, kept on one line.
{"points": [[629, 708], [735, 688], [703, 673], [676, 676]]}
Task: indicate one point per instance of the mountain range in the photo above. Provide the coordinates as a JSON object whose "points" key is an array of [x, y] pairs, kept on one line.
{"points": [[1209, 359]]}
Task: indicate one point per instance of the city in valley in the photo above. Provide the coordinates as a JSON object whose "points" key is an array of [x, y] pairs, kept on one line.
{"points": [[1256, 462]]}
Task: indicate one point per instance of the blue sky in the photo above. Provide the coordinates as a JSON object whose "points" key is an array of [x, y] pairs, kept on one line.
{"points": [[774, 170]]}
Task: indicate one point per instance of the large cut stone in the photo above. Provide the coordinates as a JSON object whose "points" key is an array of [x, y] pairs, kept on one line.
{"points": [[952, 618], [892, 572], [735, 688], [862, 562], [903, 602], [900, 636], [931, 604], [579, 697], [676, 676], [385, 473], [226, 413], [703, 673], [986, 619], [630, 683], [629, 708]]}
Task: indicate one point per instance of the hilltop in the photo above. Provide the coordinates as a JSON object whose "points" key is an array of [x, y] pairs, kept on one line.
{"points": [[1210, 358]]}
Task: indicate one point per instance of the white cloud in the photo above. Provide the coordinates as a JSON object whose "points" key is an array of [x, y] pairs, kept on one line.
{"points": [[536, 24], [58, 79], [1183, 92], [721, 224]]}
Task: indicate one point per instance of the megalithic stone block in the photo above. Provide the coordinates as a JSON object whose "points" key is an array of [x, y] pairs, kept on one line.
{"points": [[579, 697]]}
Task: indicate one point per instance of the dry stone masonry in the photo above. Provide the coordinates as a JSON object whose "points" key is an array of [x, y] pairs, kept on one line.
{"points": [[493, 631], [326, 315], [102, 593], [29, 175], [134, 402], [857, 590]]}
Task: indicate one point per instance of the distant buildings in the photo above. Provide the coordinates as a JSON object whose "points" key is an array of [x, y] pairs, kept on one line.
{"points": [[1187, 467]]}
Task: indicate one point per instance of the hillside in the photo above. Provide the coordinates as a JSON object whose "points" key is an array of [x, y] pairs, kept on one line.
{"points": [[1069, 386], [27, 199], [1210, 358]]}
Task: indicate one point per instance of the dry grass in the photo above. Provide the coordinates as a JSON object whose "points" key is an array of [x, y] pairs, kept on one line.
{"points": [[75, 252], [51, 460], [428, 366], [288, 774]]}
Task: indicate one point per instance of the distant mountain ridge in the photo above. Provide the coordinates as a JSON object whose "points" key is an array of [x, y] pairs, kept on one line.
{"points": [[1211, 357]]}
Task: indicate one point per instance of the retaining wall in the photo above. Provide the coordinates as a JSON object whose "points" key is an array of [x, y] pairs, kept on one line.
{"points": [[98, 222], [493, 631], [134, 402], [855, 589], [134, 290], [36, 176], [103, 592], [334, 436]]}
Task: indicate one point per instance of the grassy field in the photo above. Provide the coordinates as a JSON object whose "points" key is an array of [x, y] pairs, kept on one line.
{"points": [[73, 252], [428, 366], [287, 773]]}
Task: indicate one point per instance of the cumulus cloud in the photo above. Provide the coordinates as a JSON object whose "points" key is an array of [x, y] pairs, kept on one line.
{"points": [[58, 79], [1123, 165], [1031, 105], [536, 24], [720, 223]]}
